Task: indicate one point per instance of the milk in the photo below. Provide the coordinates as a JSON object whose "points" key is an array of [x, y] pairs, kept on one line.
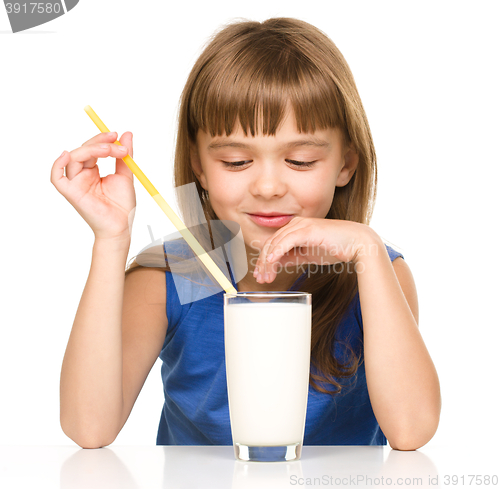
{"points": [[267, 365]]}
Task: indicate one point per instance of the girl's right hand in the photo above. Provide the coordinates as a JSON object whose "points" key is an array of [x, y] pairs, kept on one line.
{"points": [[106, 203]]}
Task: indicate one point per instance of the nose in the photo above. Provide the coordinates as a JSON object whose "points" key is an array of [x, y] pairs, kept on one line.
{"points": [[268, 181]]}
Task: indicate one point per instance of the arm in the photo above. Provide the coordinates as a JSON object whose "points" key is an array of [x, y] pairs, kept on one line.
{"points": [[402, 381], [117, 334]]}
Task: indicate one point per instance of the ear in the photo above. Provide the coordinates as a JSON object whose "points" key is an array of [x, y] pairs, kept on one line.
{"points": [[196, 165], [351, 160]]}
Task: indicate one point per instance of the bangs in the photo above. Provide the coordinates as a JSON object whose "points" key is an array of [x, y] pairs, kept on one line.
{"points": [[254, 84]]}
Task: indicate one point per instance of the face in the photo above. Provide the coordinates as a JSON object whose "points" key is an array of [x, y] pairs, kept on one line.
{"points": [[291, 173]]}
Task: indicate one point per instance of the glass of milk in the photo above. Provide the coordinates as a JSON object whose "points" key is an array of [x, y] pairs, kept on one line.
{"points": [[268, 349]]}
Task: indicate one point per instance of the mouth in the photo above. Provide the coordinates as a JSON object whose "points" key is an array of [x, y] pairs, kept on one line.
{"points": [[271, 220]]}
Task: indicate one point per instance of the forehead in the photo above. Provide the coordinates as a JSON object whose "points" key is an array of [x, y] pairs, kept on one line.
{"points": [[245, 142], [287, 137]]}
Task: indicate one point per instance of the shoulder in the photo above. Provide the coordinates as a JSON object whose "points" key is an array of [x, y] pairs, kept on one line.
{"points": [[145, 279], [405, 279], [145, 285], [156, 254]]}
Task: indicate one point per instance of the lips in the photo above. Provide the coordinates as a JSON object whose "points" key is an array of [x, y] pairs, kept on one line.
{"points": [[271, 220]]}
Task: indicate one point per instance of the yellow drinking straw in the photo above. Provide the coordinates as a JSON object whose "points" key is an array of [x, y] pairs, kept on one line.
{"points": [[181, 227]]}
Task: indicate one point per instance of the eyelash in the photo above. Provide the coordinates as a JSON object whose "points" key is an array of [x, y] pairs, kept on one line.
{"points": [[301, 164]]}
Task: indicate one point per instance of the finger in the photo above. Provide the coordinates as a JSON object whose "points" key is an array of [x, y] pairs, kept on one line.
{"points": [[87, 156], [292, 240], [276, 242], [262, 266], [121, 166], [102, 137], [127, 141], [57, 177], [267, 249], [296, 221]]}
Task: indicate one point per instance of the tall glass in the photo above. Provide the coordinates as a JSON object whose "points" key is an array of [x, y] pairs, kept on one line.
{"points": [[268, 349]]}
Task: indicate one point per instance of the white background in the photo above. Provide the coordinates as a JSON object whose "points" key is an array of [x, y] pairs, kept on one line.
{"points": [[428, 76]]}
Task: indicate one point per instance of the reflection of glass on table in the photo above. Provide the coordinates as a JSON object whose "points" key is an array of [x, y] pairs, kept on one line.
{"points": [[268, 341]]}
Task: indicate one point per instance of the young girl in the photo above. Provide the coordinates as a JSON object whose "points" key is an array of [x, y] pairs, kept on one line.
{"points": [[270, 124]]}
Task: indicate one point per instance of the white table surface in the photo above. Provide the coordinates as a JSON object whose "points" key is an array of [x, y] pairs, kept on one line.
{"points": [[186, 467]]}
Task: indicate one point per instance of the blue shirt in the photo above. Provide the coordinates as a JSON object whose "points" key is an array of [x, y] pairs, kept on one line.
{"points": [[196, 411]]}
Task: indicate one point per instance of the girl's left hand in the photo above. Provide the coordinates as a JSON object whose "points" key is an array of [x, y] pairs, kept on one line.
{"points": [[311, 240]]}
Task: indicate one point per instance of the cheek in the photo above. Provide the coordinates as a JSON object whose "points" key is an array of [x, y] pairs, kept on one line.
{"points": [[223, 191], [319, 204], [317, 197]]}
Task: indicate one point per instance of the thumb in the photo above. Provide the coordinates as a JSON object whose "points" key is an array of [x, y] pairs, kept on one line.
{"points": [[121, 167]]}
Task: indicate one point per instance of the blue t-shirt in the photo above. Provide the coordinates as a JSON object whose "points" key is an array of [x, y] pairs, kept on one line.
{"points": [[196, 410]]}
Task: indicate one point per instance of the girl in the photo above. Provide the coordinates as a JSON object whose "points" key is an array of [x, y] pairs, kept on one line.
{"points": [[270, 124]]}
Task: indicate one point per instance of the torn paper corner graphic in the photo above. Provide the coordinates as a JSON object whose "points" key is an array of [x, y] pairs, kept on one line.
{"points": [[192, 279]]}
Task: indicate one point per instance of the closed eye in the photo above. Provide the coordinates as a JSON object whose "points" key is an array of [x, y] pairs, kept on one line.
{"points": [[237, 164], [302, 163]]}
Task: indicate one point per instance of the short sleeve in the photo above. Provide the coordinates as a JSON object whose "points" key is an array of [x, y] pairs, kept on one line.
{"points": [[393, 254]]}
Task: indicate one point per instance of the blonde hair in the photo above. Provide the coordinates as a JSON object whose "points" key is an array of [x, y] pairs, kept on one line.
{"points": [[248, 72]]}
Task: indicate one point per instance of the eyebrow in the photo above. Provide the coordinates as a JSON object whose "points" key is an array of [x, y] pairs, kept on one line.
{"points": [[228, 143]]}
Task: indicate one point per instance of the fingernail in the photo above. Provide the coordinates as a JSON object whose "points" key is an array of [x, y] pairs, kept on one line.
{"points": [[62, 154], [122, 148], [270, 257], [266, 277], [259, 277]]}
